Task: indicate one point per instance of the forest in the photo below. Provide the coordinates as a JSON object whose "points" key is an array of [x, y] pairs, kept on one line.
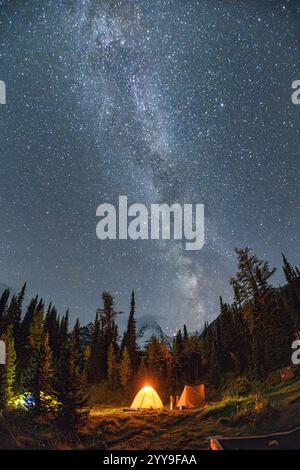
{"points": [[50, 367]]}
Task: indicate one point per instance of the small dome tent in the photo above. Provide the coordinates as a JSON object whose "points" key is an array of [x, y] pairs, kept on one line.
{"points": [[147, 398], [192, 397]]}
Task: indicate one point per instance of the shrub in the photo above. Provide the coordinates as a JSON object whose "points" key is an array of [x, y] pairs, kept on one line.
{"points": [[239, 387], [253, 410]]}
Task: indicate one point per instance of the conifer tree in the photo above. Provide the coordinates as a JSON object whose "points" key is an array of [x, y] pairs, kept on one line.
{"points": [[213, 366], [227, 341], [109, 330], [252, 278], [167, 368], [185, 333], [155, 358], [10, 366], [178, 343], [125, 370], [18, 317], [52, 326], [289, 272], [72, 409], [96, 355], [130, 336], [35, 333], [63, 332], [104, 333], [278, 330], [39, 379], [28, 317], [177, 348], [3, 305], [86, 354], [142, 373], [112, 368], [8, 370], [75, 354], [11, 311]]}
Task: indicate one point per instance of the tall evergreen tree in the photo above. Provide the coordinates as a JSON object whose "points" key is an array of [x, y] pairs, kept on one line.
{"points": [[125, 370], [72, 409], [39, 376], [214, 365], [185, 333], [252, 278], [3, 305], [289, 272], [11, 311], [8, 370], [52, 326], [130, 336], [46, 366], [112, 368], [96, 355], [63, 332], [105, 333], [28, 317], [18, 318], [75, 354], [142, 374], [35, 333]]}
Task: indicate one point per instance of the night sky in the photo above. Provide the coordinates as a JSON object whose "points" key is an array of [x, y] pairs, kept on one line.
{"points": [[163, 101]]}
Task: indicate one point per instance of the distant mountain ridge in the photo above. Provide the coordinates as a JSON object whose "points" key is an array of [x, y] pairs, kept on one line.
{"points": [[146, 328]]}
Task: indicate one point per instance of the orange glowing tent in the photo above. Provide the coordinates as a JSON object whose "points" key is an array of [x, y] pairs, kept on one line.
{"points": [[192, 397], [147, 398]]}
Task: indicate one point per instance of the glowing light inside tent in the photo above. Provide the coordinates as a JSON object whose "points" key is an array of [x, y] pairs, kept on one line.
{"points": [[147, 398]]}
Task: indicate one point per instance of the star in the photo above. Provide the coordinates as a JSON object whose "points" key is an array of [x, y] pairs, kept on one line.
{"points": [[163, 102]]}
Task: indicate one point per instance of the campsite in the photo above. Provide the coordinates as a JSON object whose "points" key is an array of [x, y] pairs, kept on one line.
{"points": [[109, 427], [275, 409], [89, 387], [149, 228]]}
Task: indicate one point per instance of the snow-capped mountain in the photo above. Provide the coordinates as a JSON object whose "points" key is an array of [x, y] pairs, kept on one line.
{"points": [[147, 327]]}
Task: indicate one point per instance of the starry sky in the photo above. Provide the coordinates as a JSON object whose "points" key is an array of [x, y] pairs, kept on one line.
{"points": [[168, 101]]}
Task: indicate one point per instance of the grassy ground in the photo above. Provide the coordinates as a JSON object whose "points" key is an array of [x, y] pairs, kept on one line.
{"points": [[276, 408]]}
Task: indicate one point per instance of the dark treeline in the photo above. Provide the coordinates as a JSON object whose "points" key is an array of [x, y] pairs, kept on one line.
{"points": [[251, 337]]}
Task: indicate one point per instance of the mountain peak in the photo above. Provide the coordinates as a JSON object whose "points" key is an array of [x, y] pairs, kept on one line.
{"points": [[147, 327]]}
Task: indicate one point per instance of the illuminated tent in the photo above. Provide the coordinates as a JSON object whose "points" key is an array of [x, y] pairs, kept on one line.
{"points": [[147, 398], [192, 397]]}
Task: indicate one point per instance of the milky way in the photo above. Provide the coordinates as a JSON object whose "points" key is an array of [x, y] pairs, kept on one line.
{"points": [[167, 101]]}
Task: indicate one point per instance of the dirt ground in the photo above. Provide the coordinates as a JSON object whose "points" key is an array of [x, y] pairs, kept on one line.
{"points": [[180, 429], [192, 429]]}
